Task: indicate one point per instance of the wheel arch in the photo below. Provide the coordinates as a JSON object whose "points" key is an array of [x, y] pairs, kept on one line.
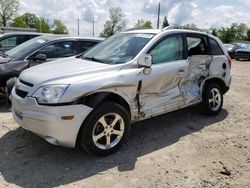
{"points": [[95, 99], [216, 80]]}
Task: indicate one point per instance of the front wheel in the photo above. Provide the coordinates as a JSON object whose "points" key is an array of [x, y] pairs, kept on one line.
{"points": [[212, 99], [105, 129]]}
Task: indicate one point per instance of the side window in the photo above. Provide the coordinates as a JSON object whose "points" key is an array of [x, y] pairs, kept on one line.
{"points": [[21, 39], [169, 49], [82, 46], [215, 49], [196, 46], [33, 36], [58, 49], [9, 42]]}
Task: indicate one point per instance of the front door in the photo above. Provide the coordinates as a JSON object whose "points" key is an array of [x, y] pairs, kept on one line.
{"points": [[160, 90]]}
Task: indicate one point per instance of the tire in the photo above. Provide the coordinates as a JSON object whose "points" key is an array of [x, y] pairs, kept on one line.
{"points": [[94, 135], [212, 100], [9, 85]]}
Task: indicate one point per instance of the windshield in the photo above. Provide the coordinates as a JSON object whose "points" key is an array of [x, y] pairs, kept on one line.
{"points": [[118, 48], [247, 47], [25, 47]]}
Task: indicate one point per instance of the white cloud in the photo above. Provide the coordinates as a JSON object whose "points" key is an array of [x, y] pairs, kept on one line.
{"points": [[203, 14]]}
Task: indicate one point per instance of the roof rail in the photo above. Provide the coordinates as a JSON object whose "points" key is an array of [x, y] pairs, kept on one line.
{"points": [[183, 27]]}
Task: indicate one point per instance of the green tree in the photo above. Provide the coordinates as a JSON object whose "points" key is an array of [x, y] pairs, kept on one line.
{"points": [[241, 31], [248, 34], [148, 24], [44, 26], [227, 35], [115, 23], [143, 24], [59, 28], [190, 26], [8, 9], [214, 32], [26, 20], [165, 22]]}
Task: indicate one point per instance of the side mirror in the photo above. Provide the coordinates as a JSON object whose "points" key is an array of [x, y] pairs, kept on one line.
{"points": [[145, 61], [40, 57]]}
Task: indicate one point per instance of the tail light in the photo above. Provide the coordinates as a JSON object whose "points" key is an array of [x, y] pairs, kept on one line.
{"points": [[229, 60]]}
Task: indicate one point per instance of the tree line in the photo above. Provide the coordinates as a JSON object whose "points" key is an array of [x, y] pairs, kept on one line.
{"points": [[8, 17]]}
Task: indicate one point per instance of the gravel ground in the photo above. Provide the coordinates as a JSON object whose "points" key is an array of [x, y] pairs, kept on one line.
{"points": [[180, 149]]}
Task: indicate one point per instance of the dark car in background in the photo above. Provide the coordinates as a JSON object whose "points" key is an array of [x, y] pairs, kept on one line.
{"points": [[243, 53], [231, 48], [11, 40], [36, 51]]}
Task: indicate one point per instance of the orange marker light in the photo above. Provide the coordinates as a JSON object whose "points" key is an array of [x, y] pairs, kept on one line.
{"points": [[67, 117]]}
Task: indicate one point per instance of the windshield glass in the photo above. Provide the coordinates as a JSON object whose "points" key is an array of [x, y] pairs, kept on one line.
{"points": [[247, 47], [118, 48], [25, 47]]}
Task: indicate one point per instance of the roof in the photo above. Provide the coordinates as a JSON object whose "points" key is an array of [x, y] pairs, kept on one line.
{"points": [[52, 37]]}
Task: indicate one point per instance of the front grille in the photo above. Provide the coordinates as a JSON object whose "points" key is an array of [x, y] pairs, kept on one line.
{"points": [[26, 83], [21, 93]]}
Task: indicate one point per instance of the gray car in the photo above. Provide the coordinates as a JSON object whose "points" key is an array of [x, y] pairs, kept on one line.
{"points": [[11, 40], [129, 77]]}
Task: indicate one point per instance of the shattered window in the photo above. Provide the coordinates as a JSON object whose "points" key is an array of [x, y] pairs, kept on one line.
{"points": [[196, 46], [170, 49]]}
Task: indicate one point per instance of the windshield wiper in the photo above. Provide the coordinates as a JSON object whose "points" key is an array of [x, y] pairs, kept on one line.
{"points": [[3, 54], [94, 59]]}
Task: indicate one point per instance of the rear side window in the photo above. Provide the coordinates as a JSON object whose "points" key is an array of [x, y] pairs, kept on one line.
{"points": [[32, 36], [168, 50], [196, 46], [21, 39], [82, 46], [215, 48], [9, 42]]}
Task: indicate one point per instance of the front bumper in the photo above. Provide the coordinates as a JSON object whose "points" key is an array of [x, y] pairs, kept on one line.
{"points": [[46, 121]]}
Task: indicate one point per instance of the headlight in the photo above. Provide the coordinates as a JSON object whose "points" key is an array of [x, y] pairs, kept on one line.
{"points": [[50, 93]]}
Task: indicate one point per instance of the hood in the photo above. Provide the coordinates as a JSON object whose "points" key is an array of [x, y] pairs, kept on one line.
{"points": [[66, 71], [4, 60], [243, 50]]}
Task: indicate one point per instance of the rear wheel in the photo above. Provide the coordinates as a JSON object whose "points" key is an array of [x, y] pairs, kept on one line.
{"points": [[105, 129], [212, 99]]}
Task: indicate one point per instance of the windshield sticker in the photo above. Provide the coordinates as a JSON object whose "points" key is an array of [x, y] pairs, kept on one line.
{"points": [[41, 41], [148, 36]]}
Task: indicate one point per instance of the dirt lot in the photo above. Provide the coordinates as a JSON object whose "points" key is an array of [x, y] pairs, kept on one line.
{"points": [[180, 149]]}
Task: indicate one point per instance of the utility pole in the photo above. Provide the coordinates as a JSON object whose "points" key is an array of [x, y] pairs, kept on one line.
{"points": [[158, 20], [40, 25], [78, 31], [93, 29]]}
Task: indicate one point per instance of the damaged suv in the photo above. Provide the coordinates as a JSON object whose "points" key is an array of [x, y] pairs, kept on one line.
{"points": [[131, 76]]}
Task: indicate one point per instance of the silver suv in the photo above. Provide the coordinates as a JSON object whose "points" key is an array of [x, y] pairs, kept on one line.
{"points": [[131, 76]]}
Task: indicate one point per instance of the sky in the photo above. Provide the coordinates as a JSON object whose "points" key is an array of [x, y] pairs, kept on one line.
{"points": [[203, 13]]}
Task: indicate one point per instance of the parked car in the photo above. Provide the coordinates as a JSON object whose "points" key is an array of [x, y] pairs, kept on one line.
{"points": [[36, 51], [231, 48], [11, 40], [243, 53], [129, 77]]}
